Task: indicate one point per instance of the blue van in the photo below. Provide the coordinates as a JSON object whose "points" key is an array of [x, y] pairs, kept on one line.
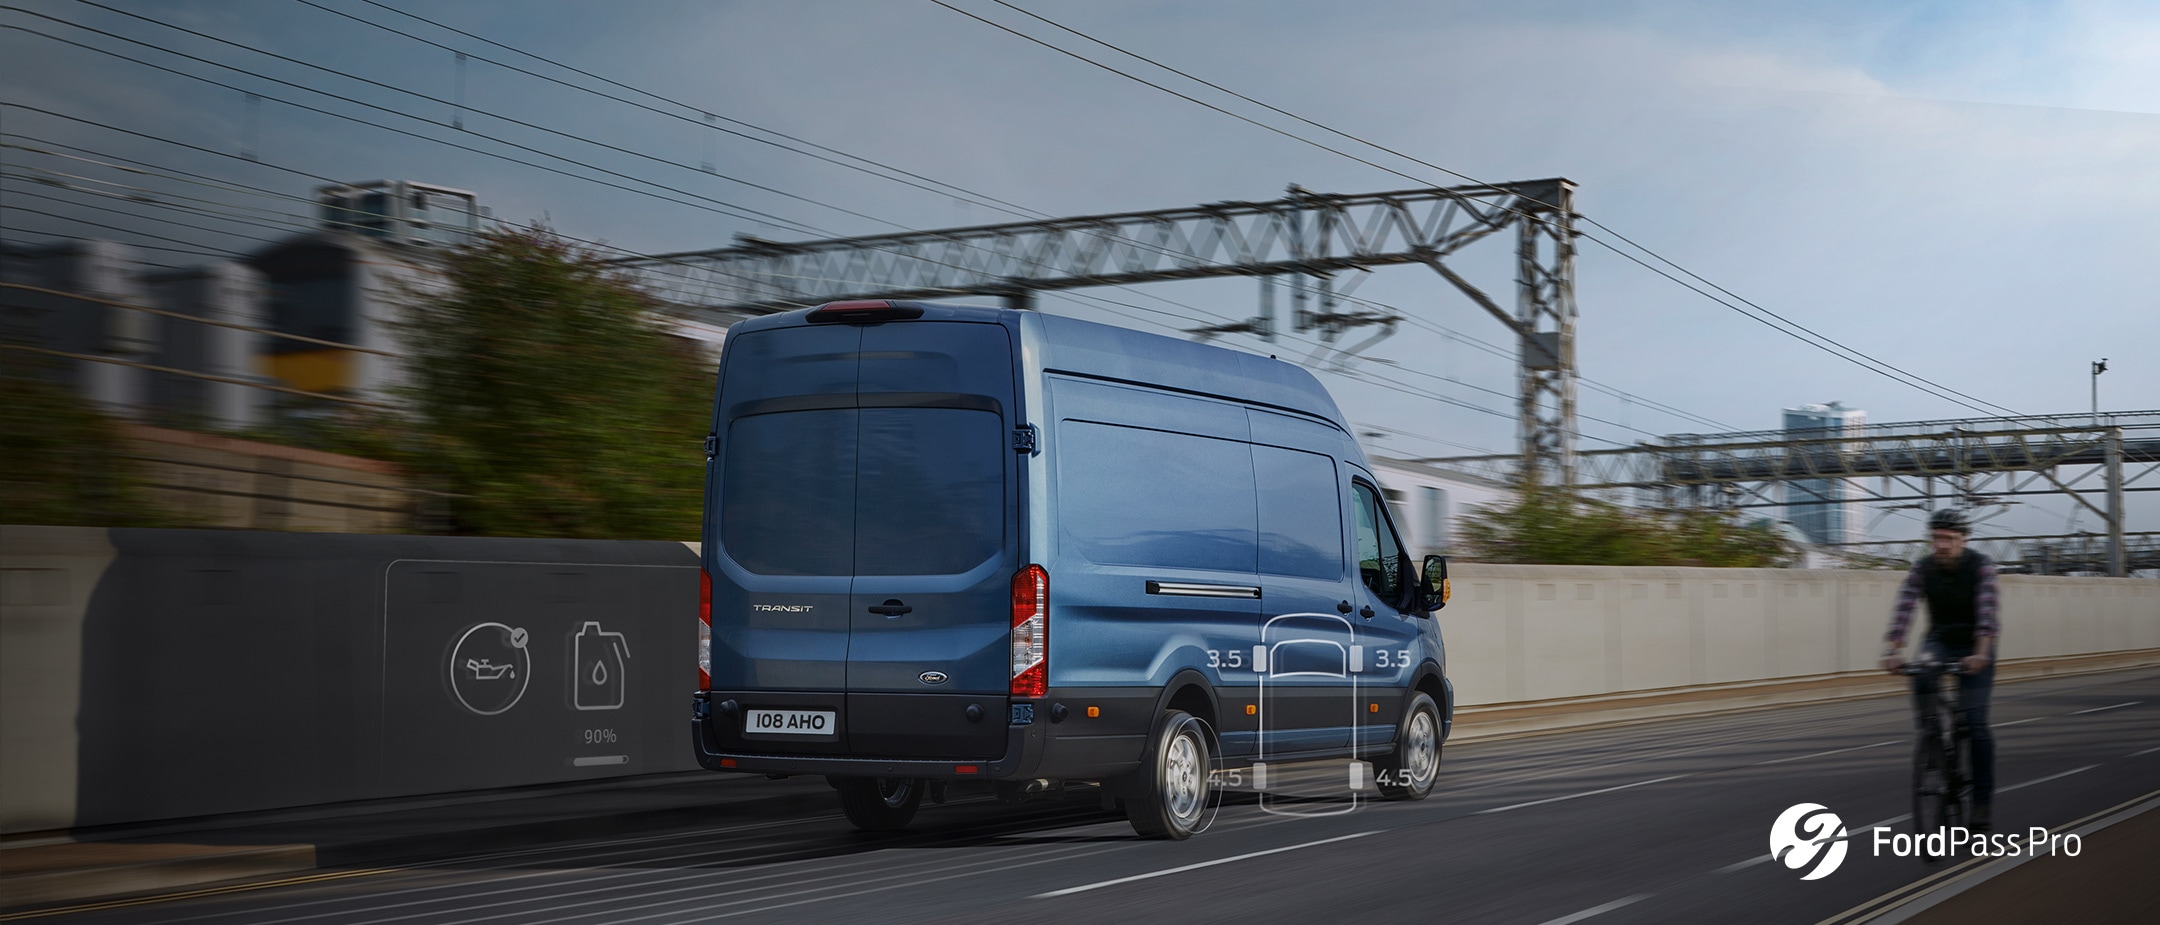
{"points": [[950, 543]]}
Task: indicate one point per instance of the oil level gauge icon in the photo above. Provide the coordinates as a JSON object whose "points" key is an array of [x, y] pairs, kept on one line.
{"points": [[490, 668]]}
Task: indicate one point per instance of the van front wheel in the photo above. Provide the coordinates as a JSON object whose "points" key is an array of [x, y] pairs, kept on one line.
{"points": [[1408, 774], [879, 804], [1168, 796]]}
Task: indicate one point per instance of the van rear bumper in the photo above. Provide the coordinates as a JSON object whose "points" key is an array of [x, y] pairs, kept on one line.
{"points": [[1090, 749], [1020, 742]]}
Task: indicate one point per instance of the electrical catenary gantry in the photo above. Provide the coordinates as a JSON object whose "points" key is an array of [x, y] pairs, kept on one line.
{"points": [[1318, 236]]}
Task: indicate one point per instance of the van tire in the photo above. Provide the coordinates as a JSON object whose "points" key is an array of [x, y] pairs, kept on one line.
{"points": [[1408, 773], [1168, 796], [879, 804]]}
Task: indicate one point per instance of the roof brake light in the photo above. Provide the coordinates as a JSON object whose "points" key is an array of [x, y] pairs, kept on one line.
{"points": [[865, 311]]}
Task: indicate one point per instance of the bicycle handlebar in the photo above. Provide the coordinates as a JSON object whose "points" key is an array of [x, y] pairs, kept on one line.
{"points": [[1931, 667]]}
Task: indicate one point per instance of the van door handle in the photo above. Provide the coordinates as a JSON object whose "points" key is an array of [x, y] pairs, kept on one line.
{"points": [[1365, 611], [891, 609], [1342, 607]]}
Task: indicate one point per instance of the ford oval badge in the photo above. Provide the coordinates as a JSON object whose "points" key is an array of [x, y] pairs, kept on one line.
{"points": [[931, 677]]}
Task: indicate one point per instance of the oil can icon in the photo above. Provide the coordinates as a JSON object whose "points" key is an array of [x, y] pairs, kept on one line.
{"points": [[597, 668]]}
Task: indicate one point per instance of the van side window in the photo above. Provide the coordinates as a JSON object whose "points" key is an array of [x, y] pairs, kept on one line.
{"points": [[1300, 513], [1380, 557], [1156, 499]]}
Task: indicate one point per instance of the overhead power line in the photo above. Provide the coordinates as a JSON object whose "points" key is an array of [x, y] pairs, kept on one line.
{"points": [[1759, 314], [938, 187]]}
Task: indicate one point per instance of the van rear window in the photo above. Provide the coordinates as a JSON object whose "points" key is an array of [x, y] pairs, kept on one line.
{"points": [[875, 491], [930, 489], [787, 497], [1155, 499]]}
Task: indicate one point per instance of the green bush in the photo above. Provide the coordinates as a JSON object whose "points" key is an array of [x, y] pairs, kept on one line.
{"points": [[1549, 526], [63, 462]]}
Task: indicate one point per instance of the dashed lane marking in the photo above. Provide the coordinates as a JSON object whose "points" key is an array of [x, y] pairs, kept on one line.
{"points": [[1577, 796], [1068, 891]]}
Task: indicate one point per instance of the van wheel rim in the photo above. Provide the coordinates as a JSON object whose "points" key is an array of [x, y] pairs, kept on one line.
{"points": [[1181, 779], [1423, 758], [894, 790]]}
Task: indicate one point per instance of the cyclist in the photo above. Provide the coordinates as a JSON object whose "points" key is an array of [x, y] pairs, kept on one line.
{"points": [[1959, 587]]}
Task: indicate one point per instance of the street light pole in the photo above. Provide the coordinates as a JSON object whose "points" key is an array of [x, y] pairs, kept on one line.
{"points": [[2097, 369]]}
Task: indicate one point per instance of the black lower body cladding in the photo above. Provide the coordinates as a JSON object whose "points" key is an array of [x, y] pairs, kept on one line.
{"points": [[929, 735], [957, 727]]}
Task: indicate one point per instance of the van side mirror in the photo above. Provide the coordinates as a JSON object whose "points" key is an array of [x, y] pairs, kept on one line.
{"points": [[1434, 591]]}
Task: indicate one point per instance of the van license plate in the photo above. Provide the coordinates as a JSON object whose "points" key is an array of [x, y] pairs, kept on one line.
{"points": [[790, 722]]}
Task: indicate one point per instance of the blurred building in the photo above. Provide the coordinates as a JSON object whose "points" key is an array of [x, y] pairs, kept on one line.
{"points": [[380, 245], [1824, 510], [1427, 504], [75, 304]]}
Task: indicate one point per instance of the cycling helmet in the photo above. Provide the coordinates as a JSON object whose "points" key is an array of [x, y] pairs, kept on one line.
{"points": [[1948, 519]]}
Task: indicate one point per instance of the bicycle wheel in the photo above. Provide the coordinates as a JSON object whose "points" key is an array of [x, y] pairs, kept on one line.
{"points": [[1931, 791], [1959, 779]]}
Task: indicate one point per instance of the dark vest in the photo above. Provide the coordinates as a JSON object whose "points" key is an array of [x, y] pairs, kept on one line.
{"points": [[1953, 599]]}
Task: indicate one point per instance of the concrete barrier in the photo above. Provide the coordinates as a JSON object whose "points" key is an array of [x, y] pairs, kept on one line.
{"points": [[1519, 633], [160, 674]]}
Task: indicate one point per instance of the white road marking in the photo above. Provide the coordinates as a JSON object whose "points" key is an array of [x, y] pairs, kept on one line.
{"points": [[2117, 706], [1598, 910], [1068, 891], [2045, 779], [2016, 722], [1830, 752], [1576, 796], [2148, 751]]}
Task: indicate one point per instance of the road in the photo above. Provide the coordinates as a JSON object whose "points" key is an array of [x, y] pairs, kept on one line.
{"points": [[1665, 822]]}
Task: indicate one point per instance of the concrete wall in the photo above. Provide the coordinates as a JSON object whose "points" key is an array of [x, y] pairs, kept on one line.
{"points": [[1538, 632], [210, 480], [160, 674]]}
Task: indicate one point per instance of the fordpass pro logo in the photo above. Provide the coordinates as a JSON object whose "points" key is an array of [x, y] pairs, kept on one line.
{"points": [[1809, 833]]}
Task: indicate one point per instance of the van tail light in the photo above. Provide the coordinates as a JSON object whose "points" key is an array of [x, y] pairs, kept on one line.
{"points": [[704, 630], [1031, 632]]}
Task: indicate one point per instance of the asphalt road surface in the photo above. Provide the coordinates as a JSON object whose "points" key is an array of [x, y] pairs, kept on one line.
{"points": [[1664, 822]]}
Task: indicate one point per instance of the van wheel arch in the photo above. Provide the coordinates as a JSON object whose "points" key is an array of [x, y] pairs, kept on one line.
{"points": [[1188, 690]]}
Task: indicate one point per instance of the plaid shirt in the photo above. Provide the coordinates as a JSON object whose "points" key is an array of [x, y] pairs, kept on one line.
{"points": [[1985, 622]]}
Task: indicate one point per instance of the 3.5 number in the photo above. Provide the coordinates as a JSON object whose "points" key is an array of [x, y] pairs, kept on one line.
{"points": [[1235, 658], [1387, 658]]}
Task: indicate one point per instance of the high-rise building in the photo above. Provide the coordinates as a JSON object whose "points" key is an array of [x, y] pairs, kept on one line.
{"points": [[1824, 510]]}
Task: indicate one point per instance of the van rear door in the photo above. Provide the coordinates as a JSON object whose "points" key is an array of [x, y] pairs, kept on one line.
{"points": [[936, 541], [780, 529], [867, 536]]}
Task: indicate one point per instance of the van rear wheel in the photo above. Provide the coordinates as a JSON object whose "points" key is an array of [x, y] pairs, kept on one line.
{"points": [[1168, 796], [879, 804], [1408, 774]]}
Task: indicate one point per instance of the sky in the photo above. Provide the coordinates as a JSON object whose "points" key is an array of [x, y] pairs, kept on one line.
{"points": [[1962, 190]]}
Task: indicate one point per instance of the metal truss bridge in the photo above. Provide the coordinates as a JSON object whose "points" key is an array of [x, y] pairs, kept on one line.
{"points": [[1304, 234], [1963, 463]]}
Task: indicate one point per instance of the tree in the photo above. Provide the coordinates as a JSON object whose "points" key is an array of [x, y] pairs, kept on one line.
{"points": [[62, 461], [1550, 526], [548, 401]]}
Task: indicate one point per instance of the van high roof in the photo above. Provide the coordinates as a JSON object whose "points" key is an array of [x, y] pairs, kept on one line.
{"points": [[1104, 351]]}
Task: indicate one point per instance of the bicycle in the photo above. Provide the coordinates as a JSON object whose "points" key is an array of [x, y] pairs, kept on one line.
{"points": [[1942, 777]]}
